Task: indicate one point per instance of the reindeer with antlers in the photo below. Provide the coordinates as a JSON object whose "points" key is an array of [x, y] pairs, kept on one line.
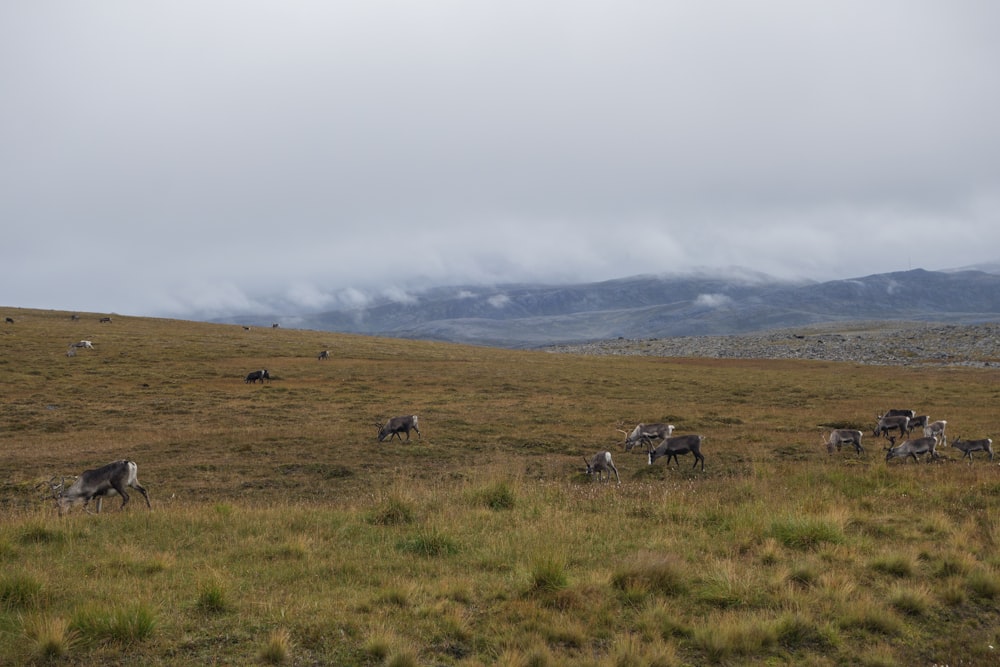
{"points": [[109, 480]]}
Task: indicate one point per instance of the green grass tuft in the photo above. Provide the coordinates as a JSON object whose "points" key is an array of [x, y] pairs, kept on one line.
{"points": [[20, 591], [806, 533]]}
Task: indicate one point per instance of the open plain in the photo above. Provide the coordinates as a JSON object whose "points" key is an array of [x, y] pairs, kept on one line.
{"points": [[283, 532]]}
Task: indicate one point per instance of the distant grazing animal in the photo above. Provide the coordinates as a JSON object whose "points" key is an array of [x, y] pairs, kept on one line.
{"points": [[397, 425], [912, 448], [108, 480], [274, 325], [74, 317], [325, 354], [246, 328], [844, 436], [886, 423], [969, 446], [646, 433], [601, 463], [938, 428], [679, 444], [261, 375], [86, 344], [105, 320], [9, 320]]}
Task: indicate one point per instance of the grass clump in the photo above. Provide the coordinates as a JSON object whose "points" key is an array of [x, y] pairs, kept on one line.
{"points": [[894, 566], [499, 496], [50, 638], [650, 574], [548, 575], [125, 625], [429, 542], [734, 635], [910, 601], [984, 585], [393, 511], [277, 648], [20, 591], [212, 598], [805, 533]]}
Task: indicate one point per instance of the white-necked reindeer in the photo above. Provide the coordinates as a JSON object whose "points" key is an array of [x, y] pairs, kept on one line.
{"points": [[645, 434], [109, 480], [843, 436]]}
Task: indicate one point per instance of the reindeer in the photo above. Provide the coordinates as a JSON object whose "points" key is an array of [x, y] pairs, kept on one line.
{"points": [[601, 463], [969, 446], [646, 433], [938, 429], [397, 425], [843, 436], [325, 354], [886, 423], [108, 480], [679, 444], [913, 447], [253, 376]]}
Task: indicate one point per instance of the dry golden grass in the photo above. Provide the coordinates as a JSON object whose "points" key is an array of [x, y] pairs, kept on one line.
{"points": [[282, 532]]}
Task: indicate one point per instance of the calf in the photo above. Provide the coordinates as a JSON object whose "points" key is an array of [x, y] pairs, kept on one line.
{"points": [[261, 375], [680, 444], [886, 423], [646, 433], [601, 463], [969, 446], [912, 448], [397, 425], [108, 480], [844, 436], [938, 429]]}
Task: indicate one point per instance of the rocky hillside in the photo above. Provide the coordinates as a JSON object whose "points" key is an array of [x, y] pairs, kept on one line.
{"points": [[879, 343]]}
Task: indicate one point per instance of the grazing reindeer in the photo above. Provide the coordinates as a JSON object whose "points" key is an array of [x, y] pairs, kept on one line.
{"points": [[397, 425], [325, 354], [646, 433], [844, 436], [108, 480], [885, 423], [680, 444], [601, 463], [912, 448], [969, 446]]}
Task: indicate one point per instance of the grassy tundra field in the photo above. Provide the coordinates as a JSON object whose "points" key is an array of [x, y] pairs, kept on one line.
{"points": [[282, 532]]}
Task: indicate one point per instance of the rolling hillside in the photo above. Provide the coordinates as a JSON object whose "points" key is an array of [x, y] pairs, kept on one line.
{"points": [[526, 316]]}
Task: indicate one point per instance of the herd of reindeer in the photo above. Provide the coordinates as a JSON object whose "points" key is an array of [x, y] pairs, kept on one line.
{"points": [[887, 425], [115, 477]]}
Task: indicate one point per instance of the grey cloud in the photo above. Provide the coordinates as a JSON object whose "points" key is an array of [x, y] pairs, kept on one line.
{"points": [[241, 155]]}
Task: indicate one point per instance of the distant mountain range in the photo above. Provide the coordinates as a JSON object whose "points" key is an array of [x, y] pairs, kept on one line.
{"points": [[526, 316]]}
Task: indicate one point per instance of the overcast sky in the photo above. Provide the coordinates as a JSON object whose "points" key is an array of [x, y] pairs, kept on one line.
{"points": [[187, 157]]}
